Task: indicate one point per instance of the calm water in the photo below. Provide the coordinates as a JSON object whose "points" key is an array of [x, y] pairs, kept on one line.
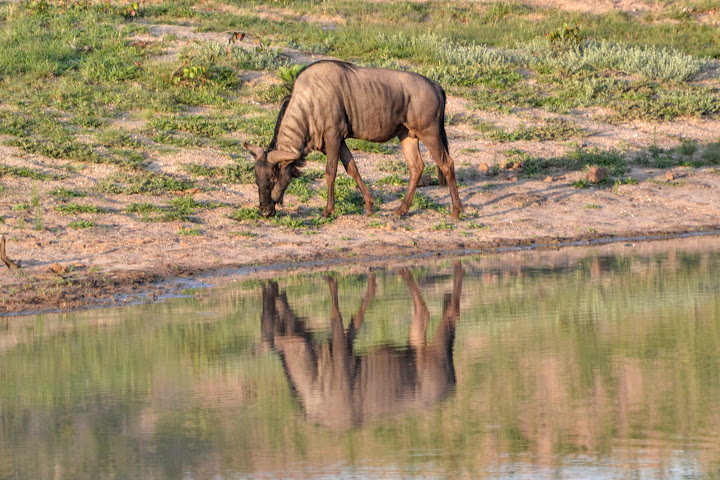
{"points": [[572, 364]]}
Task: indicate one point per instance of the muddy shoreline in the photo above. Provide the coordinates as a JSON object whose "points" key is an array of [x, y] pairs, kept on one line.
{"points": [[70, 287]]}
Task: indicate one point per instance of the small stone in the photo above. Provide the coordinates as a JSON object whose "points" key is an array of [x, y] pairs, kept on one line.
{"points": [[669, 176], [425, 181], [518, 165], [597, 174], [548, 179], [512, 178], [484, 167], [57, 269]]}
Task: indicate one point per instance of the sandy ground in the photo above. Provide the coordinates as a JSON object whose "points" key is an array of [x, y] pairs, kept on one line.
{"points": [[123, 258]]}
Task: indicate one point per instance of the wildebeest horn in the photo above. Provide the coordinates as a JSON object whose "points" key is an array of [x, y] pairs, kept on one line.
{"points": [[279, 156], [254, 149]]}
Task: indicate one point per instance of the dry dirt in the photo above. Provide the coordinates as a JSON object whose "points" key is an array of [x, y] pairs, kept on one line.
{"points": [[123, 258]]}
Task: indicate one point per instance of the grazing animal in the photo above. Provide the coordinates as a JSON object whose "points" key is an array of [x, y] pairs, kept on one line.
{"points": [[332, 101]]}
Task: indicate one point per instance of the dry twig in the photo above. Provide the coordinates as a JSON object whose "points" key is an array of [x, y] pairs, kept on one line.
{"points": [[8, 263]]}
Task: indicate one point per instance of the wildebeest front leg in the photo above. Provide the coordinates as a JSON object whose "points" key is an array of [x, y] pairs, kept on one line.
{"points": [[411, 151], [332, 152], [352, 170]]}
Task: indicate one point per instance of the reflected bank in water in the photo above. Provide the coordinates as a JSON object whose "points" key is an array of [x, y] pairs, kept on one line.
{"points": [[574, 364]]}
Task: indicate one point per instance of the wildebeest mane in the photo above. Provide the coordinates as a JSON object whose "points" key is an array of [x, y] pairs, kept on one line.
{"points": [[283, 107], [300, 162]]}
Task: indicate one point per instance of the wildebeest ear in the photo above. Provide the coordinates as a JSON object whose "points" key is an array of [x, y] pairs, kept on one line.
{"points": [[280, 156], [254, 149]]}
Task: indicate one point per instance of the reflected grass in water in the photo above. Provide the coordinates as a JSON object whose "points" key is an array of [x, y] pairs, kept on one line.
{"points": [[607, 366]]}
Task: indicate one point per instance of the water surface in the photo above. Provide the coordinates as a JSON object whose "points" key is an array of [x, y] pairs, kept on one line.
{"points": [[573, 364]]}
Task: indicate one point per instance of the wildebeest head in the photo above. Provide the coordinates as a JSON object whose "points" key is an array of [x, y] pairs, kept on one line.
{"points": [[273, 171]]}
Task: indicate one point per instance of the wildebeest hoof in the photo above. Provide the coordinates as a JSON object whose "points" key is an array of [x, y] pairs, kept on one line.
{"points": [[401, 211], [327, 213]]}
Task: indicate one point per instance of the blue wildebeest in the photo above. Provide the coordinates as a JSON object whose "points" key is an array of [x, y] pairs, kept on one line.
{"points": [[332, 101]]}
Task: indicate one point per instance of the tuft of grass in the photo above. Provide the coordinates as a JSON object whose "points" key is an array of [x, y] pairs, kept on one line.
{"points": [[613, 160], [190, 231], [711, 155], [246, 234], [423, 202], [348, 199], [66, 194], [241, 171], [393, 179], [142, 208], [81, 224], [626, 181], [76, 208], [651, 63], [687, 147], [245, 214], [393, 166], [555, 130], [443, 226], [303, 187], [24, 172], [118, 139], [370, 147], [151, 183], [582, 183]]}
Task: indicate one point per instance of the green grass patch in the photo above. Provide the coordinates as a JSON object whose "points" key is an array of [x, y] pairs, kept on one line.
{"points": [[76, 208], [423, 202], [348, 199], [556, 130], [244, 214], [443, 226], [613, 160], [393, 166], [150, 183], [240, 171], [711, 155], [371, 147], [25, 172], [303, 187], [66, 194], [649, 62], [143, 208], [81, 224], [179, 209], [393, 179], [190, 231]]}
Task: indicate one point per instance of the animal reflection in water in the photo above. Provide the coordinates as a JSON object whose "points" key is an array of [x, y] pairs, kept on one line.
{"points": [[340, 389]]}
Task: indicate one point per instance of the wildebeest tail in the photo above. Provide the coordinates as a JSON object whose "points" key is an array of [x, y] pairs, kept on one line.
{"points": [[443, 136]]}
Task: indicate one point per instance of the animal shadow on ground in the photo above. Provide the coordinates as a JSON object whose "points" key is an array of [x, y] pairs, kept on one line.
{"points": [[339, 389]]}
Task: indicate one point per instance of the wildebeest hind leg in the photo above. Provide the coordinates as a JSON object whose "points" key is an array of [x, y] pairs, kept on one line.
{"points": [[352, 170], [411, 151], [443, 160]]}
